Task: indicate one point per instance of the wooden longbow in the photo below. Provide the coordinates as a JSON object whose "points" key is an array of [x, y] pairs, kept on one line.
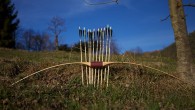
{"points": [[95, 65]]}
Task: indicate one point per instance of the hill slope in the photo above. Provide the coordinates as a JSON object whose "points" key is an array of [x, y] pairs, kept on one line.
{"points": [[170, 51], [130, 87]]}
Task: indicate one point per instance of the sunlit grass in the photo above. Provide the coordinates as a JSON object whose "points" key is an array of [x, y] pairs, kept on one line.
{"points": [[130, 87]]}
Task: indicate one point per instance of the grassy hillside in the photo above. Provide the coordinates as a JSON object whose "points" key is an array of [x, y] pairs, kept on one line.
{"points": [[130, 87], [170, 51]]}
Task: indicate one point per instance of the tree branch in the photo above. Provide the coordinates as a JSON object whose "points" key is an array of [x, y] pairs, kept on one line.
{"points": [[101, 3], [165, 18], [189, 5]]}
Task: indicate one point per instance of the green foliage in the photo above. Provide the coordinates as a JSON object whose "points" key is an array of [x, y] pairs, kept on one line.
{"points": [[8, 24]]}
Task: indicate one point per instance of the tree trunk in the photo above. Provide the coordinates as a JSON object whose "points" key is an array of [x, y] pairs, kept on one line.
{"points": [[56, 42], [184, 56]]}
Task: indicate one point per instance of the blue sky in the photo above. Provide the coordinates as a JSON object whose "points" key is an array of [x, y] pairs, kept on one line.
{"points": [[135, 23]]}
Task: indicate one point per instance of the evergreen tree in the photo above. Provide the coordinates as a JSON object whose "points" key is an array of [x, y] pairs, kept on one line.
{"points": [[8, 24]]}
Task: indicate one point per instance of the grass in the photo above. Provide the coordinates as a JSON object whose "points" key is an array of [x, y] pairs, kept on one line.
{"points": [[60, 88]]}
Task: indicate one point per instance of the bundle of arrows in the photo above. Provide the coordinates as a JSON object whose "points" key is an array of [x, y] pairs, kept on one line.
{"points": [[96, 52]]}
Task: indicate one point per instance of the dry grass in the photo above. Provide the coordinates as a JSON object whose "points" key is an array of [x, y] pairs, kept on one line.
{"points": [[130, 87]]}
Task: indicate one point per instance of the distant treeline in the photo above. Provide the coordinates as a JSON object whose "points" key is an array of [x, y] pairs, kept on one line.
{"points": [[35, 41], [76, 47]]}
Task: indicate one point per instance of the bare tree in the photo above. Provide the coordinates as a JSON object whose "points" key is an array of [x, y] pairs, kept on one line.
{"points": [[34, 41], [47, 44], [28, 36], [41, 42], [57, 26], [184, 56], [114, 48]]}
